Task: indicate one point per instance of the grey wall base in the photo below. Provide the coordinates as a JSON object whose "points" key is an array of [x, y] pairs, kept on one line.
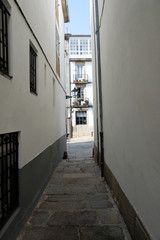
{"points": [[33, 178], [134, 225]]}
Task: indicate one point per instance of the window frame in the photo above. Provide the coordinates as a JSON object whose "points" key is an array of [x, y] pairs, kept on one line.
{"points": [[80, 71], [9, 186], [81, 120], [4, 35], [33, 69], [80, 46]]}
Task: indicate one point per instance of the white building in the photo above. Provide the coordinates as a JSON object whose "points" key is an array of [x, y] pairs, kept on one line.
{"points": [[126, 34], [32, 104], [81, 85]]}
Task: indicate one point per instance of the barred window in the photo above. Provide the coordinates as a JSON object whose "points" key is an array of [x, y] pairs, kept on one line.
{"points": [[57, 52], [81, 118], [3, 39], [33, 72], [57, 43], [8, 175]]}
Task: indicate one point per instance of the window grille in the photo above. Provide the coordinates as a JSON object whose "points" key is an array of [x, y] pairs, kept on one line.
{"points": [[33, 73], [57, 43], [3, 38], [8, 175], [81, 118]]}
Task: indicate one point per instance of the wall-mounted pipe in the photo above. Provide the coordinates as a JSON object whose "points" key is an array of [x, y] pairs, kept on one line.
{"points": [[96, 26]]}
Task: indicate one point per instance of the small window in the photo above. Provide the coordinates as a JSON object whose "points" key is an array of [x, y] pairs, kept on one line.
{"points": [[4, 68], [33, 73], [8, 175], [57, 43], [81, 118], [57, 53]]}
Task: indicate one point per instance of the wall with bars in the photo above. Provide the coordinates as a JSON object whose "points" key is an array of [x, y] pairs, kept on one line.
{"points": [[38, 119]]}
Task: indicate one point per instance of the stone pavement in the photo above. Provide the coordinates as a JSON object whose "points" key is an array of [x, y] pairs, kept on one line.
{"points": [[76, 204]]}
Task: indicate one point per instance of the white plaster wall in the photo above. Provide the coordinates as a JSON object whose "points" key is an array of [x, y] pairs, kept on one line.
{"points": [[39, 119], [62, 50], [89, 93], [130, 61], [41, 17], [90, 117]]}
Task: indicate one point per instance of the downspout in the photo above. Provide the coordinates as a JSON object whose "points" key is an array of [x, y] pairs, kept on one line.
{"points": [[96, 85], [100, 87], [71, 133]]}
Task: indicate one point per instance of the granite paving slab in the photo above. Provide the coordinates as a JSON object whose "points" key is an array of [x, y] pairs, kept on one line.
{"points": [[76, 204]]}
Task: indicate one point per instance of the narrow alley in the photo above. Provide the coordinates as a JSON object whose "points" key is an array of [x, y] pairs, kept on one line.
{"points": [[79, 86], [76, 204]]}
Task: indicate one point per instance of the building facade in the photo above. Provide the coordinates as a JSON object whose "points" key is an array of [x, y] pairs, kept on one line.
{"points": [[80, 86], [32, 104], [126, 67]]}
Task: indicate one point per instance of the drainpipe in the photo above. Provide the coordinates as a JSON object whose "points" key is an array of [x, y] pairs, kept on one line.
{"points": [[71, 133], [99, 84], [95, 61]]}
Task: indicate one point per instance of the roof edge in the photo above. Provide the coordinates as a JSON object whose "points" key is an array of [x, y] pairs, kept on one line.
{"points": [[65, 10]]}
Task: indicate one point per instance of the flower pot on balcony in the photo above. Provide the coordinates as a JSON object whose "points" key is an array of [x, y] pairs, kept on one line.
{"points": [[75, 104], [86, 102]]}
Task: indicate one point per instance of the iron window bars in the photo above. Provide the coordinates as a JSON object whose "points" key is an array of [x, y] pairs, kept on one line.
{"points": [[3, 39], [81, 118], [8, 175], [33, 73]]}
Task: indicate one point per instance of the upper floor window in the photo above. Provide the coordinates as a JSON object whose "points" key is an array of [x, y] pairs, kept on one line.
{"points": [[83, 46], [33, 72], [80, 71], [80, 46], [57, 43], [57, 52], [90, 46], [4, 68], [74, 47]]}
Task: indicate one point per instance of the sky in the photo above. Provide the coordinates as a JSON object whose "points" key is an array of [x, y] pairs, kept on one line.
{"points": [[79, 12]]}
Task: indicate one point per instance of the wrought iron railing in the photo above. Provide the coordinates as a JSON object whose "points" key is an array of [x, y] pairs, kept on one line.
{"points": [[81, 103], [80, 78]]}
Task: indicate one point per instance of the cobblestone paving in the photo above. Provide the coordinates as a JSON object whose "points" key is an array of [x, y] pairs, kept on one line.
{"points": [[76, 204]]}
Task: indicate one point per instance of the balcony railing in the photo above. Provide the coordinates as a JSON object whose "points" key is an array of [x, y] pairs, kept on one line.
{"points": [[81, 104], [80, 78]]}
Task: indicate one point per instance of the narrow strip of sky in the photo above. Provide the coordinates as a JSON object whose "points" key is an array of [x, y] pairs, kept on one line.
{"points": [[79, 11]]}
